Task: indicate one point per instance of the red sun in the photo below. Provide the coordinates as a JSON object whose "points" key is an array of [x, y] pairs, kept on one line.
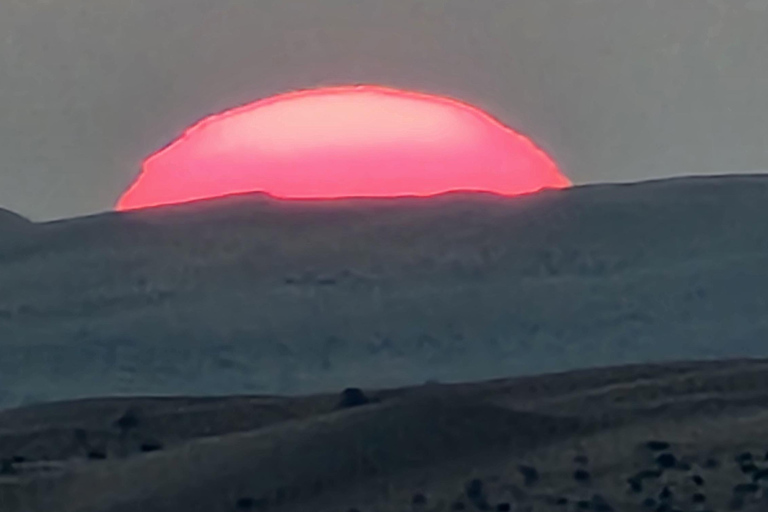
{"points": [[349, 141]]}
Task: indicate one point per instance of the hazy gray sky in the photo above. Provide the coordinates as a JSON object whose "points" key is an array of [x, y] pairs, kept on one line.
{"points": [[615, 90]]}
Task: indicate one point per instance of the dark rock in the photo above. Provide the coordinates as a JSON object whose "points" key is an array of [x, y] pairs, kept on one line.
{"points": [[657, 445], [150, 446], [582, 475], [503, 507], [760, 474], [530, 474], [635, 485], [474, 488], [18, 459], [97, 455], [666, 460], [475, 492], [745, 488], [353, 397], [748, 468], [128, 421], [665, 494], [698, 498], [245, 504], [698, 480]]}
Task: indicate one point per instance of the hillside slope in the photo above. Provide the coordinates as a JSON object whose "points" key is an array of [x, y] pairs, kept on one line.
{"points": [[424, 448], [249, 294]]}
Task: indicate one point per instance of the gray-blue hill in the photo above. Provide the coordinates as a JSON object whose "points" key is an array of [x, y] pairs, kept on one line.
{"points": [[250, 294]]}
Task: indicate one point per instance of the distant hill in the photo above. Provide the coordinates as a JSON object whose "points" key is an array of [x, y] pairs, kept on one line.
{"points": [[250, 294], [12, 227], [11, 219]]}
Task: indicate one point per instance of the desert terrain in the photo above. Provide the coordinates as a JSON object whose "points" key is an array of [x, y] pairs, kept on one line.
{"points": [[254, 295], [598, 348], [688, 436]]}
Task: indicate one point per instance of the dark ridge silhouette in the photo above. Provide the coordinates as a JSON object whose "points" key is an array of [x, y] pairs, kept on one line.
{"points": [[9, 219], [16, 240]]}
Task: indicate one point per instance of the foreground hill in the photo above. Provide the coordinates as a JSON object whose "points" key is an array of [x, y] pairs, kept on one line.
{"points": [[250, 294], [691, 435]]}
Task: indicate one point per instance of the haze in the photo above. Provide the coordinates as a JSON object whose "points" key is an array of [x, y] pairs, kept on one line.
{"points": [[614, 90]]}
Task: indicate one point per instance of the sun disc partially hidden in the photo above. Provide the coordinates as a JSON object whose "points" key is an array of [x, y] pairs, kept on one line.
{"points": [[349, 141]]}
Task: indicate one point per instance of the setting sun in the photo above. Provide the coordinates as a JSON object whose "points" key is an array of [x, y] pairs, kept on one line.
{"points": [[350, 141]]}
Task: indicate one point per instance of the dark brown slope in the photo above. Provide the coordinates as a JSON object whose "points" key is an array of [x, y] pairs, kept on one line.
{"points": [[306, 454]]}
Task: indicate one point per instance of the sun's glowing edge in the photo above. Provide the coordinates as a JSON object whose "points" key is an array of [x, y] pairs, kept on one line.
{"points": [[465, 107]]}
